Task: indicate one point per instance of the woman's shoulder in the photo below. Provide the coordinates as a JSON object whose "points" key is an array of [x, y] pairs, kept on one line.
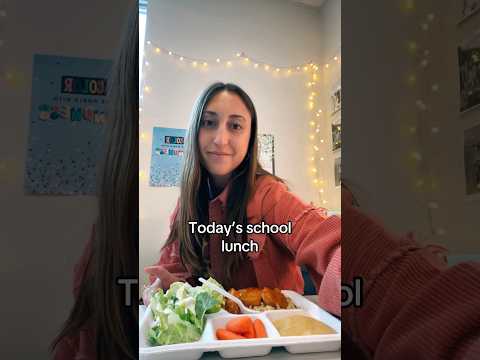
{"points": [[267, 192], [265, 184]]}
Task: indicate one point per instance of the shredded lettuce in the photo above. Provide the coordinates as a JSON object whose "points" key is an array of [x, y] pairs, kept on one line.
{"points": [[179, 314]]}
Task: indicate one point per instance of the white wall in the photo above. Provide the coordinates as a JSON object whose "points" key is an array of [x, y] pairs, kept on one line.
{"points": [[42, 236], [381, 106], [276, 32]]}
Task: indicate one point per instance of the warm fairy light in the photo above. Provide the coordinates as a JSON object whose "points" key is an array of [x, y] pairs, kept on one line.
{"points": [[322, 158], [321, 190], [277, 70], [229, 63], [247, 59], [181, 58], [310, 105], [327, 65], [143, 136], [314, 170], [316, 147], [305, 68], [267, 67], [312, 158], [289, 71], [170, 53], [318, 114], [318, 130], [335, 58], [205, 64], [147, 89], [312, 123], [255, 66], [157, 50], [298, 68], [315, 181], [194, 64], [238, 54], [312, 137], [218, 60], [324, 201]]}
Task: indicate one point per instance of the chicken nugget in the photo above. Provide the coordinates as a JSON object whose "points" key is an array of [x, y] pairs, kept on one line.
{"points": [[274, 297], [230, 306], [250, 296]]}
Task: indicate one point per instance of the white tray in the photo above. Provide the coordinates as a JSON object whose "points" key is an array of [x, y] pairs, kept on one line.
{"points": [[247, 347]]}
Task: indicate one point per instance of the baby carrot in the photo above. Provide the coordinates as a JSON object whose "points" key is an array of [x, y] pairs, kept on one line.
{"points": [[240, 325], [223, 334], [260, 331]]}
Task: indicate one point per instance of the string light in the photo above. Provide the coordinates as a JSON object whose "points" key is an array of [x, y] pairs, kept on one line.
{"points": [[308, 67]]}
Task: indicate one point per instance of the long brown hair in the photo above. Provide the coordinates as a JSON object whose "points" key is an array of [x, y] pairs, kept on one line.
{"points": [[100, 304], [193, 205]]}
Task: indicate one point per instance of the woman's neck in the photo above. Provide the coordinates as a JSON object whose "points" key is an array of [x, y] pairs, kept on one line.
{"points": [[219, 182]]}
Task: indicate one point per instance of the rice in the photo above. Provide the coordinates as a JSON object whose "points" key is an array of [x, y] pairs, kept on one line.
{"points": [[290, 305]]}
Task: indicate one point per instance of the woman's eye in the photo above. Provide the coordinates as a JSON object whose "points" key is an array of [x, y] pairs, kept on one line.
{"points": [[208, 123], [236, 126]]}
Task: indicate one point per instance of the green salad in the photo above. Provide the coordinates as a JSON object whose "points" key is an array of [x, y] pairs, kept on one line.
{"points": [[179, 314]]}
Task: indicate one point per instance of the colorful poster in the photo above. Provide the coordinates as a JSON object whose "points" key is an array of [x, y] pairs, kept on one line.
{"points": [[66, 138], [167, 156]]}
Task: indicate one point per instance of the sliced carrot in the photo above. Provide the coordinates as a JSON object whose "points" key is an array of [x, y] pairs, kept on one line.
{"points": [[250, 334], [240, 325], [260, 331], [223, 334]]}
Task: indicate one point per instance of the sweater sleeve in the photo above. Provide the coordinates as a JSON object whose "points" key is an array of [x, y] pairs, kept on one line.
{"points": [[170, 261], [314, 240], [414, 306]]}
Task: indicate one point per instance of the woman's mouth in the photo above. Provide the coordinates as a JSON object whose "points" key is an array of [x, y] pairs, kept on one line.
{"points": [[218, 155]]}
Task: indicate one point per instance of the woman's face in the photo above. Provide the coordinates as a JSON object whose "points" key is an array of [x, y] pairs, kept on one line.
{"points": [[224, 135]]}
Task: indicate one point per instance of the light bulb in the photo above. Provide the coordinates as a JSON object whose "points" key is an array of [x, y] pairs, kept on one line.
{"points": [[229, 63], [170, 53], [194, 64], [218, 60], [157, 50], [267, 67], [255, 66], [181, 58]]}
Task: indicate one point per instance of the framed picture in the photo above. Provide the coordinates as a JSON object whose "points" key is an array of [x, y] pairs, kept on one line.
{"points": [[469, 7], [336, 100], [472, 161], [266, 151], [469, 69], [338, 171], [336, 136]]}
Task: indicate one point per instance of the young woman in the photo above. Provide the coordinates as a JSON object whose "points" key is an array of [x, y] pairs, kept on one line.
{"points": [[100, 325], [223, 182]]}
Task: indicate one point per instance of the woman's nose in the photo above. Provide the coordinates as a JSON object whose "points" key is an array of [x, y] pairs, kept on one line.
{"points": [[221, 136]]}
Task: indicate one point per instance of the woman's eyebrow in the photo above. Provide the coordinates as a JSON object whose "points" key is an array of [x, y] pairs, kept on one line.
{"points": [[236, 116], [212, 113]]}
